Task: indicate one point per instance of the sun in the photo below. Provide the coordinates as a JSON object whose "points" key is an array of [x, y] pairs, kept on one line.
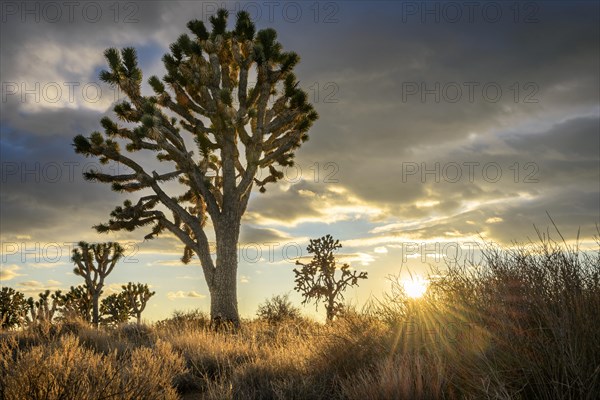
{"points": [[415, 287]]}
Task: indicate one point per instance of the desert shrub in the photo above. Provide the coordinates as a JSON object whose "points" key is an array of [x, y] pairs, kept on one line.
{"points": [[276, 365], [64, 369], [350, 344], [137, 335], [401, 377], [151, 372], [211, 355], [44, 330], [533, 309], [274, 377], [258, 361], [72, 325], [13, 308], [277, 309], [185, 320]]}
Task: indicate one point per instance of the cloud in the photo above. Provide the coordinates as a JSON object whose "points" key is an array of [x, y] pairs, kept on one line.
{"points": [[253, 234], [34, 287], [31, 284], [380, 250], [366, 135], [180, 294], [9, 272], [114, 287], [361, 258], [47, 264], [172, 263], [288, 207]]}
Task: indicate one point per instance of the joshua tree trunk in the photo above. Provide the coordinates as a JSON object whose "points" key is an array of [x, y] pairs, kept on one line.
{"points": [[95, 313], [330, 308], [223, 291], [139, 318]]}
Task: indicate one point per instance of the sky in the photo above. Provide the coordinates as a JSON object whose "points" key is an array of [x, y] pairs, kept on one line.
{"points": [[442, 125]]}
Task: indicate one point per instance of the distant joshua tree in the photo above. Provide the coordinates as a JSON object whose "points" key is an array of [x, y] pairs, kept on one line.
{"points": [[77, 302], [317, 280], [94, 262], [136, 296]]}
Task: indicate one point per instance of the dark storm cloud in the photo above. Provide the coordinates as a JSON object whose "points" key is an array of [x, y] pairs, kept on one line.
{"points": [[571, 211], [275, 203], [251, 234], [64, 123], [529, 175], [374, 67], [576, 139], [42, 184], [360, 72]]}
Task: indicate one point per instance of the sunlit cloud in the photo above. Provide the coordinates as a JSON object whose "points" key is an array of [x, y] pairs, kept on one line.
{"points": [[380, 250], [171, 263], [31, 284], [180, 294], [426, 203], [313, 203], [9, 272], [34, 287]]}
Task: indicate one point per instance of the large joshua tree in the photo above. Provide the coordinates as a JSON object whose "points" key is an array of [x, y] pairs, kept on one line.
{"points": [[238, 128], [94, 262]]}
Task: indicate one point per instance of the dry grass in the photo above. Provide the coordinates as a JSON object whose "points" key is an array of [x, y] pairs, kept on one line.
{"points": [[65, 369], [521, 326]]}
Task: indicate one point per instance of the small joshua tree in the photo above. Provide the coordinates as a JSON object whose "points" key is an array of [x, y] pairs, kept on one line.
{"points": [[115, 308], [94, 262], [13, 308], [317, 280], [77, 302], [136, 296]]}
